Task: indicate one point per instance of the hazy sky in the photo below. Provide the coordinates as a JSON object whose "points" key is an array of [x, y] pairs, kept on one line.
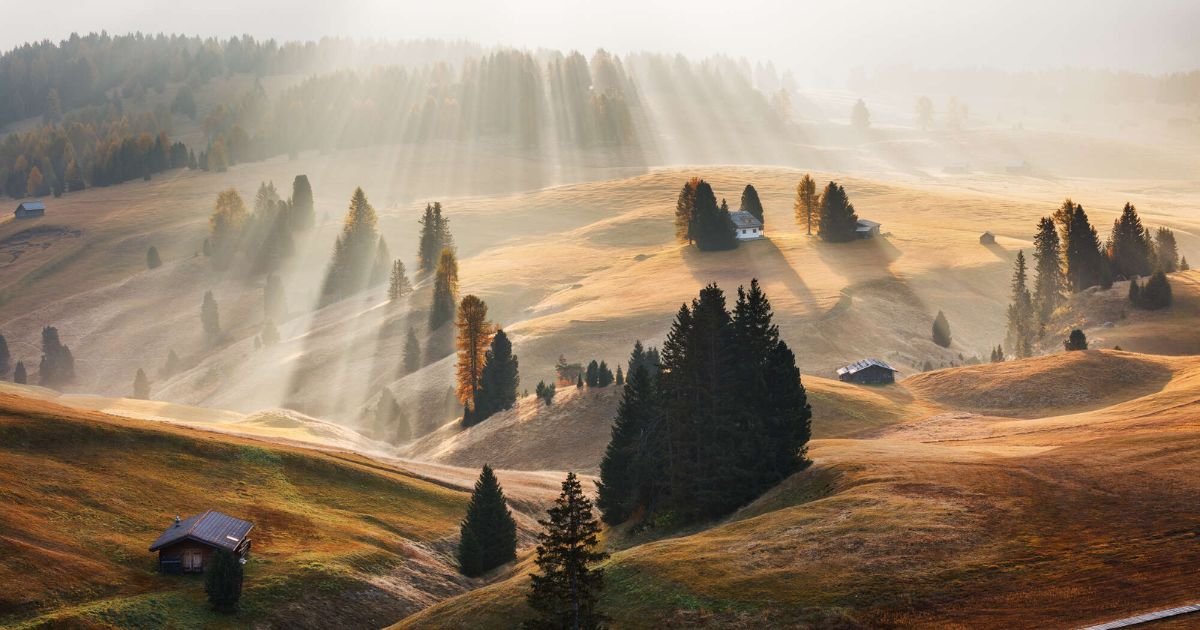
{"points": [[1146, 35]]}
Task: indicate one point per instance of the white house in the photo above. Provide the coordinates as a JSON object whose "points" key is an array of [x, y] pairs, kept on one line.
{"points": [[746, 226]]}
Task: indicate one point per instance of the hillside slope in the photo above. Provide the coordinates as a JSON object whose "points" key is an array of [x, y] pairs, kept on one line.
{"points": [[337, 536], [979, 521]]}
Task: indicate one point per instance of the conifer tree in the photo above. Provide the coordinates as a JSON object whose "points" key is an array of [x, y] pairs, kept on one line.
{"points": [[564, 592], [389, 417], [474, 335], [19, 376], [1156, 293], [622, 488], [620, 377], [711, 227], [445, 290], [210, 316], [152, 259], [141, 385], [579, 381], [412, 352], [499, 380], [302, 214], [1166, 250], [750, 202], [226, 227], [274, 299], [546, 392], [941, 330], [435, 237], [398, 284], [171, 366], [488, 533], [57, 367], [1183, 264], [1021, 318], [359, 257], [837, 220], [5, 357], [223, 581], [1047, 254], [604, 376], [1135, 293], [1083, 259], [1076, 341], [593, 374], [685, 206], [1130, 246], [807, 202]]}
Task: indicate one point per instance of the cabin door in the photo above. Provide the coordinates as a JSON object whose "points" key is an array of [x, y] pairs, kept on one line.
{"points": [[193, 560]]}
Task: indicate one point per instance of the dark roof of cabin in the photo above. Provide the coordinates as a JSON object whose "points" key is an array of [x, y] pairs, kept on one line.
{"points": [[742, 220], [865, 225], [211, 528], [859, 366], [32, 205]]}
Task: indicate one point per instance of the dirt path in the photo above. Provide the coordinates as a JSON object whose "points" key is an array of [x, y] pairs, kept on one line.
{"points": [[1147, 617]]}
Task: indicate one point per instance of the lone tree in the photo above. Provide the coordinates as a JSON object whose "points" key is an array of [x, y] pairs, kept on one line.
{"points": [[941, 330], [750, 202], [412, 352], [565, 592], [141, 385], [19, 375], [152, 259], [837, 220], [807, 201], [445, 290], [5, 357], [398, 285], [860, 117], [474, 335], [1166, 250], [488, 533], [545, 392], [223, 581], [1021, 318], [1077, 341], [226, 227], [303, 214], [210, 317], [435, 237]]}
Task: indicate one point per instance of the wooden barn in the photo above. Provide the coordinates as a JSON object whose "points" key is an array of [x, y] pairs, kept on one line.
{"points": [[867, 372], [188, 544], [987, 238], [30, 209]]}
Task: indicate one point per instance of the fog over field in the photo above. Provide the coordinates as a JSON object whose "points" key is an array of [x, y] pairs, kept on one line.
{"points": [[810, 289]]}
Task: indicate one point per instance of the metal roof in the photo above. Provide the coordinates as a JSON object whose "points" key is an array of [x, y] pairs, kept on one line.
{"points": [[859, 366], [744, 220], [36, 204], [211, 528], [865, 225]]}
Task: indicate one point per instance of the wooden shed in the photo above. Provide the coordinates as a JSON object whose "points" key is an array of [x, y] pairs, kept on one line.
{"points": [[987, 238], [867, 372], [188, 544], [30, 209]]}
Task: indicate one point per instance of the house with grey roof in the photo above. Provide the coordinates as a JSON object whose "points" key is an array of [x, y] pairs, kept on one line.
{"points": [[30, 209], [747, 227], [868, 372], [188, 544]]}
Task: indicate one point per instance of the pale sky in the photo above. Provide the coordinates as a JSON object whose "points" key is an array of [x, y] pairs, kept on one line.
{"points": [[1144, 35]]}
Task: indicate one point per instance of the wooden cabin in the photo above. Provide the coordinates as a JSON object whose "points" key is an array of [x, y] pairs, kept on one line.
{"points": [[188, 544], [30, 209], [867, 229], [867, 372], [987, 238]]}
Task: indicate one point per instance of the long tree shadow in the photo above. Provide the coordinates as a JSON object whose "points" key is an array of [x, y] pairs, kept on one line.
{"points": [[760, 259]]}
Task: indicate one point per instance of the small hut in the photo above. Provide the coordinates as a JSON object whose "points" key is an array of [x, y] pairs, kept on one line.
{"points": [[188, 544], [867, 372], [987, 238], [30, 209]]}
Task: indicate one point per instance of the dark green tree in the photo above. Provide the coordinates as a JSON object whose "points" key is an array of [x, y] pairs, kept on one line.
{"points": [[435, 237], [412, 352], [1077, 341], [141, 385], [604, 376], [941, 330], [488, 533], [499, 380], [1049, 286], [302, 211], [837, 220], [445, 290], [152, 259], [1130, 247], [1083, 259], [620, 377], [593, 374], [1166, 250], [750, 202], [622, 488], [1021, 329], [1183, 264], [398, 284], [5, 357], [57, 367], [711, 227], [223, 581], [1156, 293], [564, 593], [19, 376]]}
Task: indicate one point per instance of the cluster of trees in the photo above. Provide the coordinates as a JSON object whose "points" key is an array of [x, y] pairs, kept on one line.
{"points": [[545, 392], [998, 354], [1153, 295], [724, 417], [19, 375], [264, 239], [435, 237], [1069, 257], [58, 365], [360, 255], [488, 372], [830, 211], [700, 220], [598, 374]]}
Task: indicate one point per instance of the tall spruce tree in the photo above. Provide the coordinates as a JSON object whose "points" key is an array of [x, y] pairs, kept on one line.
{"points": [[1130, 249], [807, 202], [223, 581], [412, 352], [564, 593], [302, 212], [141, 385], [711, 227], [592, 376], [751, 203], [360, 257], [5, 358], [1048, 288], [1166, 251], [398, 284], [837, 220], [488, 534], [941, 330], [499, 380], [435, 237], [57, 367], [1021, 318], [685, 206], [1083, 260], [445, 290], [19, 375]]}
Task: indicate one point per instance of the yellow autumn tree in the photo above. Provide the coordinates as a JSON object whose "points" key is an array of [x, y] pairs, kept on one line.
{"points": [[226, 224], [474, 336]]}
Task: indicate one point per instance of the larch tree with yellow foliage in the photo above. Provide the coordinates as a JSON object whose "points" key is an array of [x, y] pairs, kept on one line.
{"points": [[474, 336]]}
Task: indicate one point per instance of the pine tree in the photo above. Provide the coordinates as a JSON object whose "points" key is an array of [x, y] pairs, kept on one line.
{"points": [[685, 206], [941, 330], [622, 489], [620, 377], [807, 202], [579, 381], [1130, 246], [1047, 254], [565, 591], [19, 376], [435, 237], [488, 533], [1084, 261], [274, 299], [1021, 318], [860, 117], [1166, 250], [750, 202], [1077, 341], [412, 352], [499, 380], [1135, 293], [445, 290], [223, 581], [593, 374], [210, 316], [360, 256], [303, 213], [141, 385], [604, 376], [1183, 264], [152, 259], [546, 392], [837, 219], [5, 357], [474, 335], [1156, 293], [57, 367], [171, 367], [711, 227], [398, 284]]}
